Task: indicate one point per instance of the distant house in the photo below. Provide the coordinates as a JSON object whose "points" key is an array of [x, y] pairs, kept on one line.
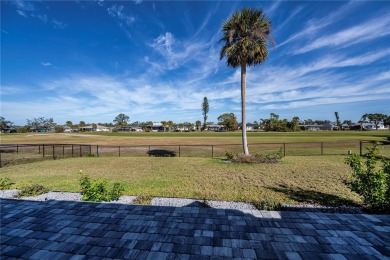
{"points": [[371, 126], [217, 128], [313, 127], [130, 129], [67, 129], [99, 128]]}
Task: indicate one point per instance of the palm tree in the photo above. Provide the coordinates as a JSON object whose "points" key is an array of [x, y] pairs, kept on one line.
{"points": [[246, 36]]}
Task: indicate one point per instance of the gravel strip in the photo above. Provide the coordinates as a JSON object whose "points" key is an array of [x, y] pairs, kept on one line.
{"points": [[176, 202], [9, 194], [52, 195], [230, 205], [182, 202]]}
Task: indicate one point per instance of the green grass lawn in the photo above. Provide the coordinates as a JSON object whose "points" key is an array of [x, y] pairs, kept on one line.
{"points": [[314, 179], [192, 138]]}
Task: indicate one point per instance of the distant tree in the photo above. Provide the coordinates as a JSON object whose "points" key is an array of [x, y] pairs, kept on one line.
{"points": [[205, 110], [228, 120], [94, 126], [245, 35], [295, 124], [386, 121], [347, 122], [309, 122], [4, 124], [338, 123], [190, 126], [69, 123], [121, 119], [81, 123], [41, 123], [198, 124], [164, 124], [170, 125], [59, 129], [375, 119]]}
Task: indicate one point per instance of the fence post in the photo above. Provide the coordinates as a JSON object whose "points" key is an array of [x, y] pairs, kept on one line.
{"points": [[179, 150], [63, 151], [39, 149], [43, 151], [72, 150], [322, 148], [80, 151], [90, 149], [53, 153], [17, 148], [361, 148], [97, 150], [212, 151], [119, 151], [284, 149]]}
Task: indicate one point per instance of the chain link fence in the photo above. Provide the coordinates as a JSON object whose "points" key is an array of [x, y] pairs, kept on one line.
{"points": [[11, 154]]}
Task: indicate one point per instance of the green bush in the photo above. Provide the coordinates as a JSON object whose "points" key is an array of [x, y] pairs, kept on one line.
{"points": [[371, 179], [32, 190], [229, 155], [267, 204], [97, 190], [5, 184]]}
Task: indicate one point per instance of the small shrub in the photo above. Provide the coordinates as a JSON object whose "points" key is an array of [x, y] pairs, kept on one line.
{"points": [[91, 155], [5, 184], [32, 191], [253, 158], [371, 179], [97, 190], [229, 155], [143, 200], [267, 204], [278, 155]]}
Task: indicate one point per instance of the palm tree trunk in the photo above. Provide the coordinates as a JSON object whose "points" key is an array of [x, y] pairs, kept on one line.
{"points": [[243, 108]]}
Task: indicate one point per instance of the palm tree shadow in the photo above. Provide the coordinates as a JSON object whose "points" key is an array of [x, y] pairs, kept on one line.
{"points": [[313, 197]]}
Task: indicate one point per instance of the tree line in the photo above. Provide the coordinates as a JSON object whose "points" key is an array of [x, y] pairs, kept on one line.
{"points": [[227, 120]]}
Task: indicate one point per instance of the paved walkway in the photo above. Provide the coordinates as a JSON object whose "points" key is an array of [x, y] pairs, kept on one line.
{"points": [[64, 230]]}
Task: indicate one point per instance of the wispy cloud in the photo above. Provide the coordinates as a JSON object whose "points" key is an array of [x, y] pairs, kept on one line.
{"points": [[58, 25], [118, 11], [46, 64], [22, 13], [315, 25], [372, 29], [163, 45]]}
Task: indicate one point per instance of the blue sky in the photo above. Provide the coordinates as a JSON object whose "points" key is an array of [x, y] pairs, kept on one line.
{"points": [[157, 60]]}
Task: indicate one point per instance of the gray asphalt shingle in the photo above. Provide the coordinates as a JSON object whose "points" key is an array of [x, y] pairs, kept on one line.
{"points": [[74, 230]]}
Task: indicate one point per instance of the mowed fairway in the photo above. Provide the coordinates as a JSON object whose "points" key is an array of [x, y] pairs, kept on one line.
{"points": [[193, 138], [314, 179]]}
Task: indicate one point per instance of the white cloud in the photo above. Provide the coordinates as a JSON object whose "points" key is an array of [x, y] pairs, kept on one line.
{"points": [[42, 17], [163, 45], [46, 64], [22, 13], [58, 25], [370, 30], [117, 11]]}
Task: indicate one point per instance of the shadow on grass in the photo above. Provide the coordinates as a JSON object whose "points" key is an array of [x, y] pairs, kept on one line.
{"points": [[313, 197], [161, 153]]}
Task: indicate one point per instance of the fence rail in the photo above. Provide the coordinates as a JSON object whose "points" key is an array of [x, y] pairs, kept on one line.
{"points": [[11, 154]]}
